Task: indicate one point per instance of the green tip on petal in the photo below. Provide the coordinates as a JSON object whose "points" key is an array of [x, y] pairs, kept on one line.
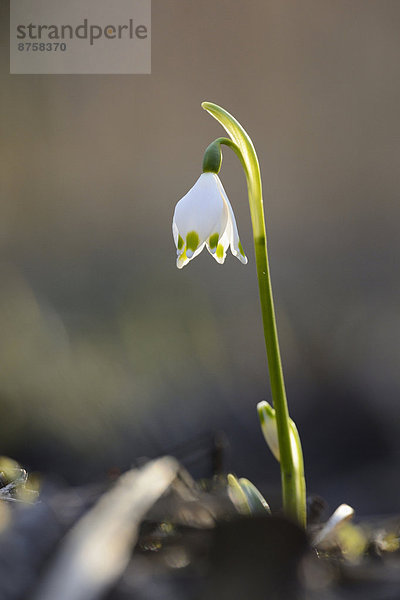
{"points": [[220, 251], [181, 260], [192, 242], [180, 243], [241, 249], [213, 241]]}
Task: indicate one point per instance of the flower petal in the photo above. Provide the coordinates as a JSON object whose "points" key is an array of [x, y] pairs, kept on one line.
{"points": [[218, 251], [204, 217], [183, 259], [202, 210], [232, 230], [179, 243]]}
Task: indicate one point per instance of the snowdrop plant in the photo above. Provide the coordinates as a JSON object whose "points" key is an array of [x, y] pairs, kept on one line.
{"points": [[204, 218]]}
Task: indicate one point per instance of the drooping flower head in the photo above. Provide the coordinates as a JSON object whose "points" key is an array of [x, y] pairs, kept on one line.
{"points": [[204, 217]]}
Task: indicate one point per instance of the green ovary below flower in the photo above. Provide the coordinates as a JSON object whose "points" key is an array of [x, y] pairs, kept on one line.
{"points": [[204, 217]]}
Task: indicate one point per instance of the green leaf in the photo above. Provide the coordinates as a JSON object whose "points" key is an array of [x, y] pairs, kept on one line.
{"points": [[246, 497], [237, 495], [255, 500]]}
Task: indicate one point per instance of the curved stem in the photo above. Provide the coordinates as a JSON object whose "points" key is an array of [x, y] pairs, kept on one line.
{"points": [[293, 494]]}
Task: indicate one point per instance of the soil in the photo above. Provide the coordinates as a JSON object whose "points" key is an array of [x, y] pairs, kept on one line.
{"points": [[191, 544]]}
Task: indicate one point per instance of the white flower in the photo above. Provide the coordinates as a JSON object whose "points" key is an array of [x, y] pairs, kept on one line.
{"points": [[204, 217]]}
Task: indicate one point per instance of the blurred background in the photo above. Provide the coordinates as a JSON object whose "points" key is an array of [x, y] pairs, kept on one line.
{"points": [[107, 351]]}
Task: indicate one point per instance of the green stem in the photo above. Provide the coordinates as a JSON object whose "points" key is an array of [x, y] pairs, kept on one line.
{"points": [[293, 493]]}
